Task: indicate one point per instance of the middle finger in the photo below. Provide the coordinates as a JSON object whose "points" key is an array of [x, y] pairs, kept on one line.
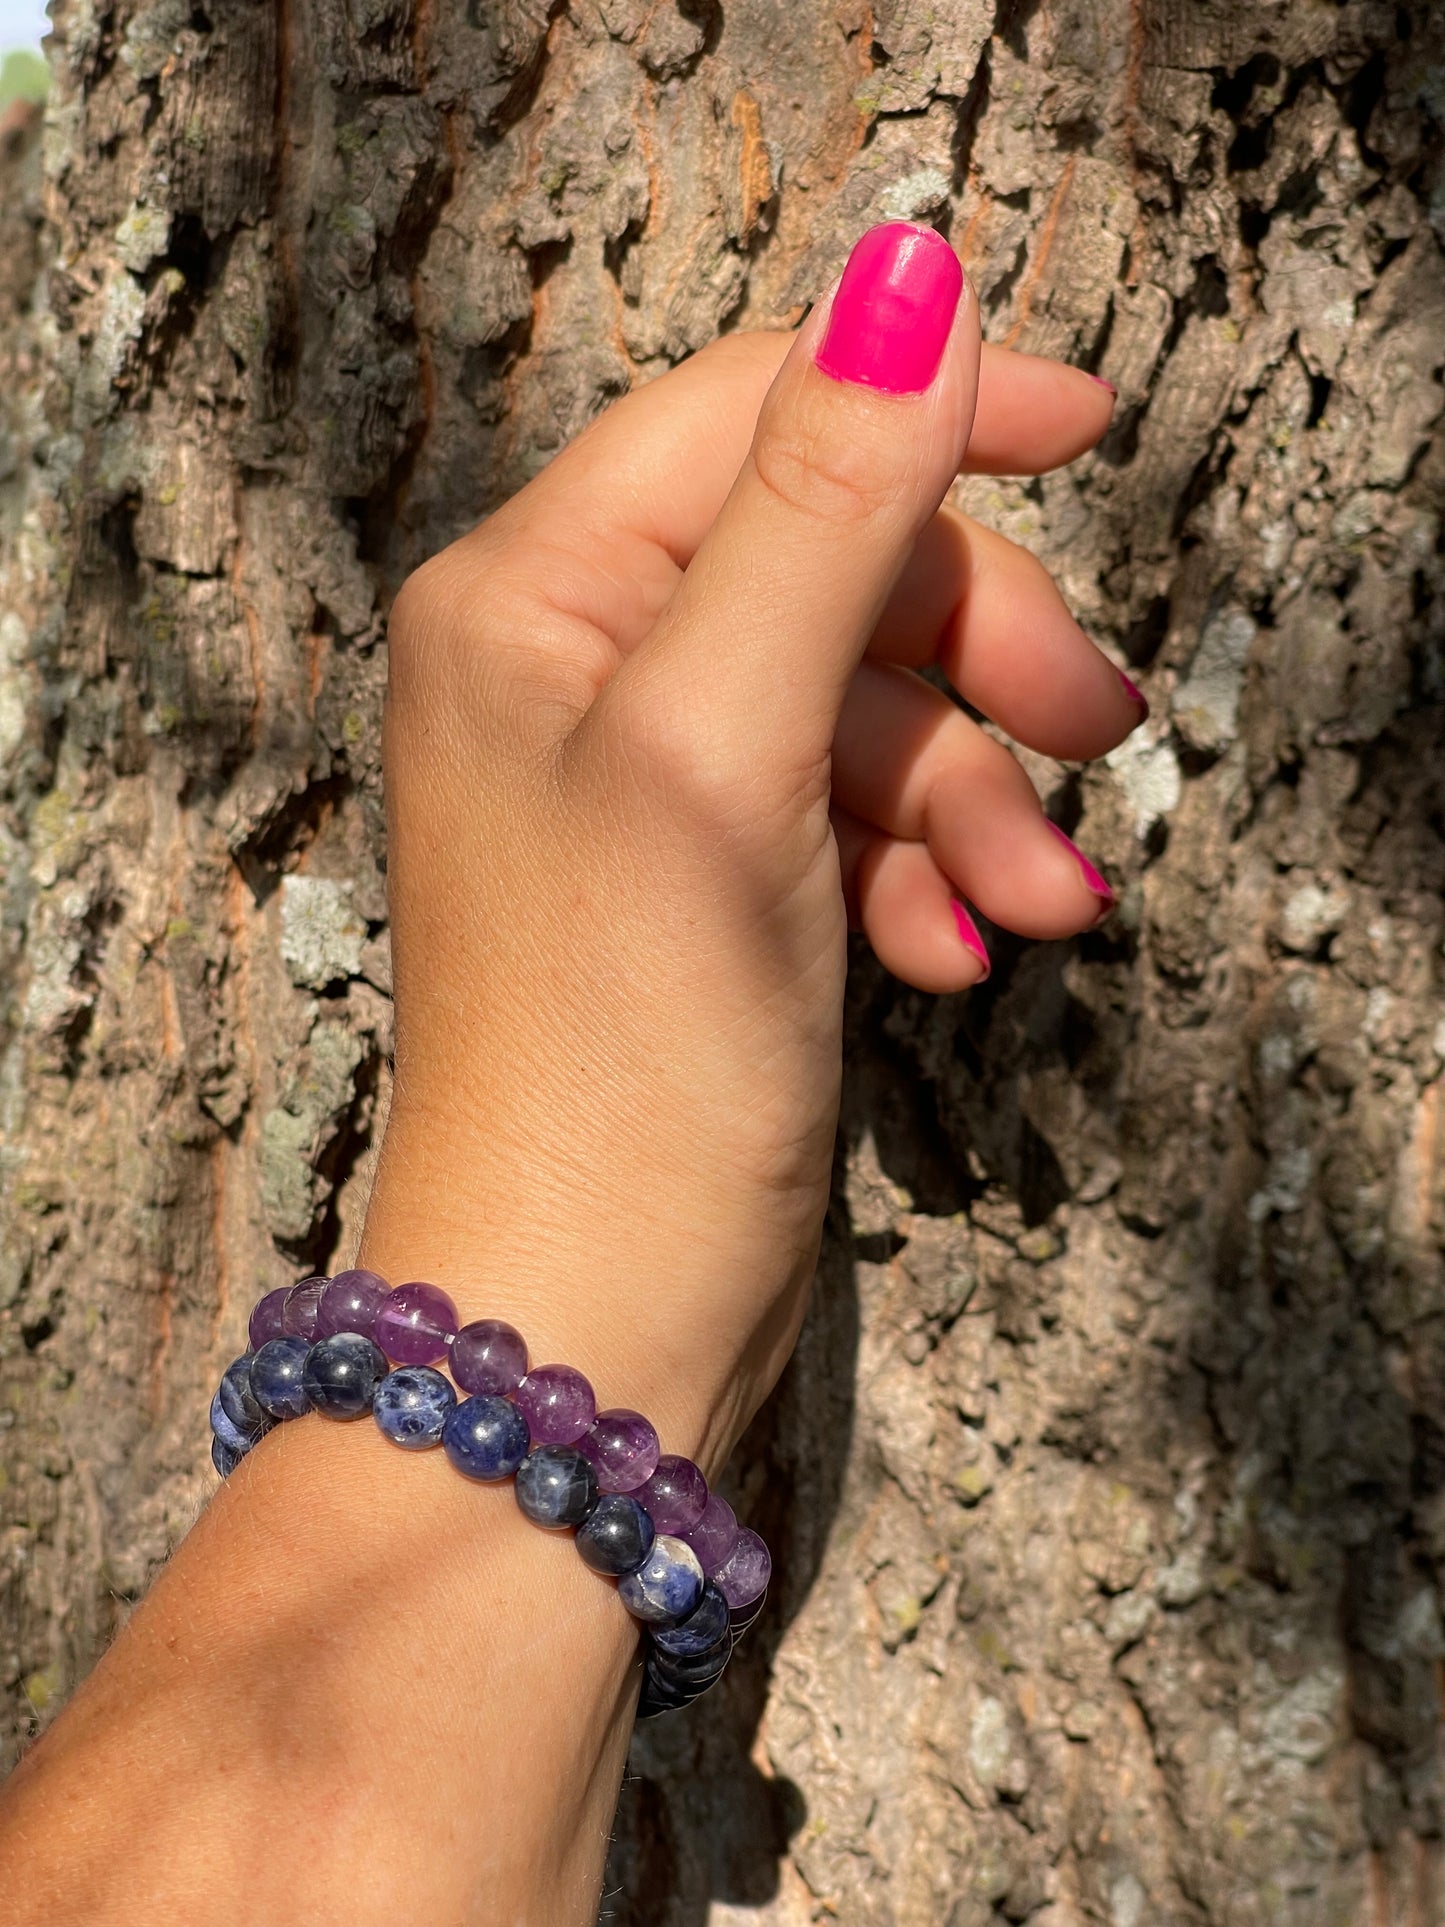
{"points": [[988, 613]]}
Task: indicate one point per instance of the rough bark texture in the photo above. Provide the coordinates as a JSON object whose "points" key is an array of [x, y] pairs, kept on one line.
{"points": [[1108, 1486]]}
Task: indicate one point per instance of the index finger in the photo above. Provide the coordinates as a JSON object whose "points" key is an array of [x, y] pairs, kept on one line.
{"points": [[633, 496]]}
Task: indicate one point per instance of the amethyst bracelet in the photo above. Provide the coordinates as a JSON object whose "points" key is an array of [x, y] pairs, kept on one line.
{"points": [[349, 1345]]}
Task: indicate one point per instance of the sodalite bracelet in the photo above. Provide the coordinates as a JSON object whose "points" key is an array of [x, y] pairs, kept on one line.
{"points": [[348, 1345]]}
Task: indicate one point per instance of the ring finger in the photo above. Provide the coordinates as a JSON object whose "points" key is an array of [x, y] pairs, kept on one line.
{"points": [[909, 762]]}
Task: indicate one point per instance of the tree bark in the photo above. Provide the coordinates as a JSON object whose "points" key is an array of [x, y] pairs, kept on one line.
{"points": [[1107, 1488]]}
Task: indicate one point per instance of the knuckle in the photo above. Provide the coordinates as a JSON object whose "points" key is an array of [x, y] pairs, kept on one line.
{"points": [[452, 610], [821, 461], [826, 470], [469, 639], [422, 614], [686, 771], [676, 755]]}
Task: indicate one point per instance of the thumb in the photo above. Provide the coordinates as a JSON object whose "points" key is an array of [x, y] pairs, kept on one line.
{"points": [[857, 442]]}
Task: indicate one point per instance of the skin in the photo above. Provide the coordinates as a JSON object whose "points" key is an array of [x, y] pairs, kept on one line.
{"points": [[654, 739]]}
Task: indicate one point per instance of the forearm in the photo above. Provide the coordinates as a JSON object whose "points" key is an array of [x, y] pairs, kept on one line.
{"points": [[365, 1689]]}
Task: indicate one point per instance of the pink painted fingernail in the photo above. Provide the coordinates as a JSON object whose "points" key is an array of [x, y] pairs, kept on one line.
{"points": [[968, 934], [1092, 880], [1133, 692], [1103, 384], [891, 316]]}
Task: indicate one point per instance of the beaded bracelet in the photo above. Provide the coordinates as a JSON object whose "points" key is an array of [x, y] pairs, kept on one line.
{"points": [[684, 1567]]}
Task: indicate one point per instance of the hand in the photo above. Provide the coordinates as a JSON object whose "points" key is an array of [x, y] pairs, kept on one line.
{"points": [[649, 730], [654, 735]]}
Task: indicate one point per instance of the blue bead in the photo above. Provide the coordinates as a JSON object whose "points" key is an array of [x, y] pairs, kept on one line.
{"points": [[341, 1374], [224, 1459], [650, 1705], [689, 1675], [617, 1534], [663, 1695], [654, 1701], [412, 1405], [237, 1438], [276, 1377], [556, 1486], [485, 1437], [237, 1399], [703, 1631], [667, 1585]]}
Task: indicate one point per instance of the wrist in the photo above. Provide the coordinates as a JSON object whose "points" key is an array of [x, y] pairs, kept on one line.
{"points": [[642, 1304]]}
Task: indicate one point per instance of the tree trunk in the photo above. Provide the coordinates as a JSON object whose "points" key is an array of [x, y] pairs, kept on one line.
{"points": [[1108, 1486]]}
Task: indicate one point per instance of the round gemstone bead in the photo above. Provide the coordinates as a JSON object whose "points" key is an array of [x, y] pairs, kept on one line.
{"points": [[266, 1317], [659, 1698], [557, 1403], [690, 1676], [238, 1401], [743, 1576], [236, 1438], [745, 1616], [705, 1630], [350, 1304], [489, 1357], [714, 1535], [341, 1373], [412, 1405], [616, 1536], [556, 1486], [485, 1437], [623, 1448], [659, 1694], [224, 1459], [298, 1312], [666, 1586], [675, 1494], [276, 1377], [416, 1324]]}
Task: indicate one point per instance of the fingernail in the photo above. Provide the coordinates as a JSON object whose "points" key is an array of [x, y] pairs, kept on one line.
{"points": [[1103, 384], [894, 308], [1092, 880], [1134, 693], [968, 934]]}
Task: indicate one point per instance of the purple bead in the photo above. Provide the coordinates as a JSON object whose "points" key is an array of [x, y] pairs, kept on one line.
{"points": [[714, 1535], [298, 1312], [675, 1494], [557, 1403], [350, 1304], [743, 1576], [416, 1324], [489, 1357], [623, 1449], [266, 1318], [740, 1620]]}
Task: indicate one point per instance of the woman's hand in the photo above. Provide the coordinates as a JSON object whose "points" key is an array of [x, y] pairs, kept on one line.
{"points": [[654, 737], [650, 729]]}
